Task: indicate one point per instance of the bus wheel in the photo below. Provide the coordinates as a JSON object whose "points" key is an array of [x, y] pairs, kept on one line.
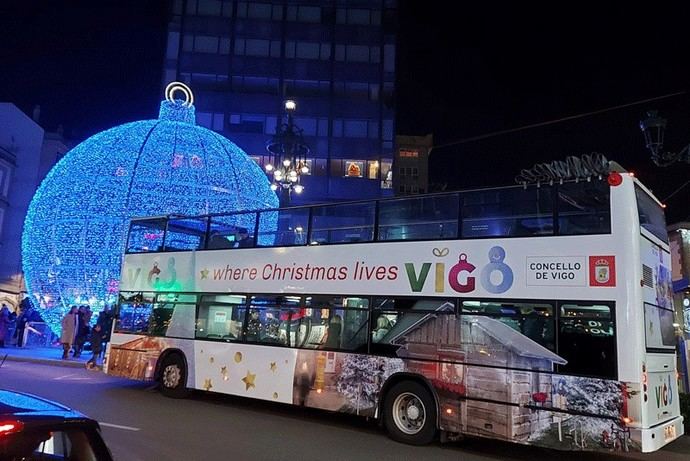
{"points": [[409, 413], [173, 377]]}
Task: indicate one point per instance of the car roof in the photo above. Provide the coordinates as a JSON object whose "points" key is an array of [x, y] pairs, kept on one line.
{"points": [[13, 403]]}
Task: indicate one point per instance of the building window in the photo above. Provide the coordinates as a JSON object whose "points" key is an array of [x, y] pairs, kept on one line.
{"points": [[308, 125], [173, 43], [304, 13], [374, 91], [247, 123], [277, 12], [409, 153], [373, 169], [307, 50], [319, 167], [275, 48], [337, 128], [218, 121], [205, 44], [209, 7], [389, 58], [336, 167], [255, 47], [323, 127], [357, 53], [388, 130], [357, 16], [259, 10], [224, 45], [373, 129], [355, 128], [309, 14], [204, 119], [354, 168]]}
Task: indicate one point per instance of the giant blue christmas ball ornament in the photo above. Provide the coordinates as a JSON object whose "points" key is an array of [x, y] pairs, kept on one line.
{"points": [[76, 225]]}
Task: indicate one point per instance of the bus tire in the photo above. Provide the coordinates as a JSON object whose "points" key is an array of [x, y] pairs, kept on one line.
{"points": [[409, 413], [173, 377]]}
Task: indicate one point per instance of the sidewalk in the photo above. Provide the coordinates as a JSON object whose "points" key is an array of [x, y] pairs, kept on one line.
{"points": [[45, 355]]}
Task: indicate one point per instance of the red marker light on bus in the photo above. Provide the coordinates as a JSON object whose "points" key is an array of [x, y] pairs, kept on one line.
{"points": [[10, 427], [627, 420], [615, 179], [449, 411]]}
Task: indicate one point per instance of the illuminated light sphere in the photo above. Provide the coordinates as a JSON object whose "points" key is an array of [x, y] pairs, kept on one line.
{"points": [[76, 225]]}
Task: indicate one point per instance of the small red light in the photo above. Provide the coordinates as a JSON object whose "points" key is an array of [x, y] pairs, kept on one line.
{"points": [[632, 175], [539, 397], [615, 179], [10, 427], [627, 420], [663, 205]]}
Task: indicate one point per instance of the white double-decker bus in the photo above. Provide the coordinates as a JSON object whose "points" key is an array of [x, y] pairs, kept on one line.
{"points": [[535, 314]]}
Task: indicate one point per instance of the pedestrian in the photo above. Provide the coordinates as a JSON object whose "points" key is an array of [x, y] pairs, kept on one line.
{"points": [[4, 323], [70, 322], [105, 319], [243, 240], [96, 340], [84, 316]]}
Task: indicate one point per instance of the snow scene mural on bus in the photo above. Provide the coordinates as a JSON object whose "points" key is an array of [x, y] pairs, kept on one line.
{"points": [[491, 380]]}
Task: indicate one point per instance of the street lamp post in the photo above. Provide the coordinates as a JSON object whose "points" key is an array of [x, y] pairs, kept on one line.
{"points": [[653, 128], [288, 157]]}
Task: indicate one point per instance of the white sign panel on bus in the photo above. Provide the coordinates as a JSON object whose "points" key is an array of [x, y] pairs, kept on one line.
{"points": [[437, 268]]}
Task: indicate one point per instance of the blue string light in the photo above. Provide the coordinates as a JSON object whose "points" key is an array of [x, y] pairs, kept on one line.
{"points": [[76, 225]]}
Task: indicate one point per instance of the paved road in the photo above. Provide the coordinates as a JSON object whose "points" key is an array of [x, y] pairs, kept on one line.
{"points": [[140, 424]]}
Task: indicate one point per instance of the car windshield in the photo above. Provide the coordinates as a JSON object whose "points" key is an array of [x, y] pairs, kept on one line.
{"points": [[74, 444]]}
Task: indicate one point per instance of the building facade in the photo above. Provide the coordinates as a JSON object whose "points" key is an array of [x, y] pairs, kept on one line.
{"points": [[411, 162], [335, 58], [679, 238], [21, 142]]}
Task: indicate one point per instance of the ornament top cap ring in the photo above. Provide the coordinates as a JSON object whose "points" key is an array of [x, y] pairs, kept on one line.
{"points": [[179, 86]]}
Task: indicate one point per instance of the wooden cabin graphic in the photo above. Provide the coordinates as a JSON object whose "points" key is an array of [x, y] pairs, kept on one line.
{"points": [[486, 374]]}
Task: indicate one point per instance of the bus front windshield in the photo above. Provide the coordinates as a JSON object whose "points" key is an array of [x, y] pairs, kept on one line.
{"points": [[651, 215]]}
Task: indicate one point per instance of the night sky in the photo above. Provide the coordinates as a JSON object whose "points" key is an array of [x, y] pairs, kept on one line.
{"points": [[489, 68]]}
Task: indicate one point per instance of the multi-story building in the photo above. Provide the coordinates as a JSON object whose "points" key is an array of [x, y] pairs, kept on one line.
{"points": [[335, 58], [412, 164], [21, 141], [27, 153]]}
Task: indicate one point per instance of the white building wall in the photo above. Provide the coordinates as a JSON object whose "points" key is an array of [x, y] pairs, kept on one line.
{"points": [[21, 142]]}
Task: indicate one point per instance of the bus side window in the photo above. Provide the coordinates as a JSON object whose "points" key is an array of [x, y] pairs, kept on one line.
{"points": [[586, 340]]}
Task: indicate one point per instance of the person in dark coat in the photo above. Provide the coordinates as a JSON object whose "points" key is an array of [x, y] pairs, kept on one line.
{"points": [[84, 315], [4, 324], [96, 339]]}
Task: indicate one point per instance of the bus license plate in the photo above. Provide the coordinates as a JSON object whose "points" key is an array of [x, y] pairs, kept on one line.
{"points": [[670, 432]]}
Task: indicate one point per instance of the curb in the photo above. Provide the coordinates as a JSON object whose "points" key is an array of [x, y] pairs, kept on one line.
{"points": [[54, 362]]}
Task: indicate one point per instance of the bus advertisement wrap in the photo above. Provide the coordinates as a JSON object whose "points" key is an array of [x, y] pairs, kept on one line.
{"points": [[429, 268]]}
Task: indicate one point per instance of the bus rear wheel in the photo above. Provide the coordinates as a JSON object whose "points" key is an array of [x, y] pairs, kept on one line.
{"points": [[173, 377], [409, 413]]}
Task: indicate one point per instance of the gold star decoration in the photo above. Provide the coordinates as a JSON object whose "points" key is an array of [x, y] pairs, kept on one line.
{"points": [[204, 274], [207, 384], [238, 357], [273, 367], [249, 380], [224, 373]]}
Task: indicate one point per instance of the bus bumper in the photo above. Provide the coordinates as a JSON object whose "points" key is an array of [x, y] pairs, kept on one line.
{"points": [[656, 437]]}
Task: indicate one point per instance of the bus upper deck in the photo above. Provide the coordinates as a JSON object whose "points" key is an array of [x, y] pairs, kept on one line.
{"points": [[571, 208]]}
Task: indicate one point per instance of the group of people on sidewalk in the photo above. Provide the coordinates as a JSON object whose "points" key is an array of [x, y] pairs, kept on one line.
{"points": [[19, 321], [76, 331]]}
